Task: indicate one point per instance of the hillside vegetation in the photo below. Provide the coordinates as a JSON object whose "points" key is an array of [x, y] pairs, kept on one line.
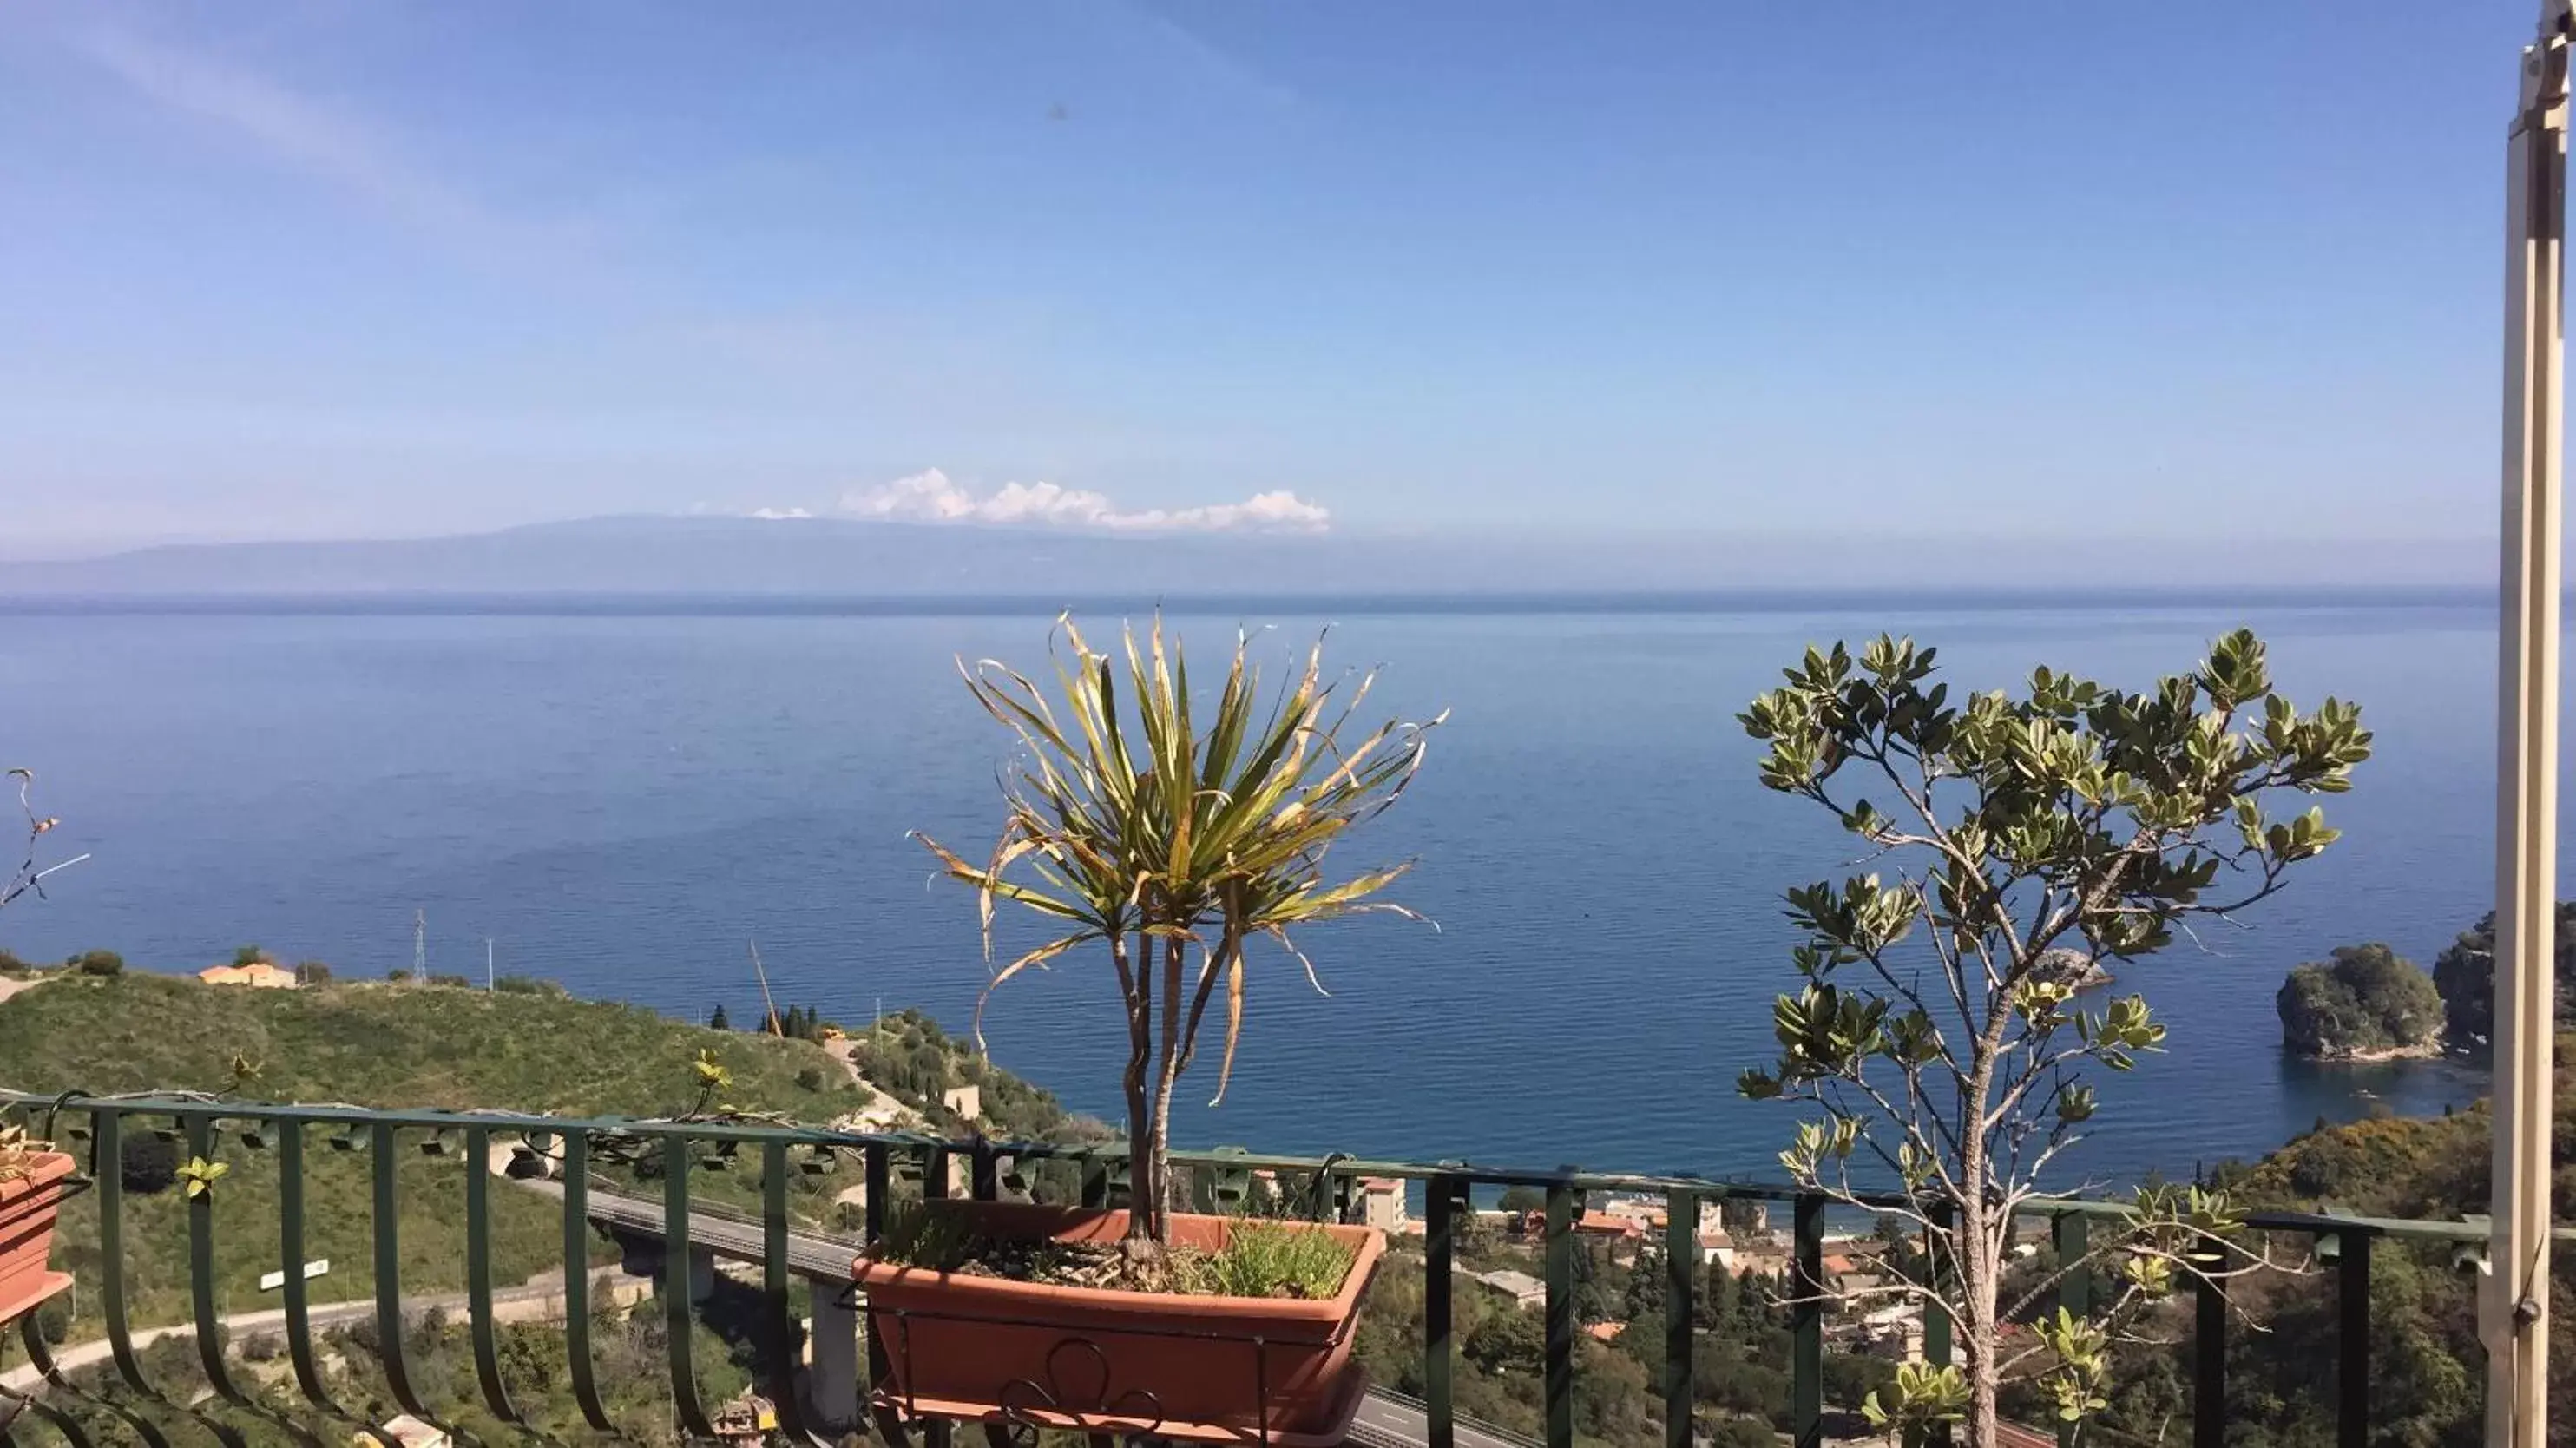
{"points": [[2366, 1002], [2426, 1362]]}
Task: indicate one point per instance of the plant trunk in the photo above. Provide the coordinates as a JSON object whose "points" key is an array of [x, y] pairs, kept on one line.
{"points": [[1166, 1200], [1144, 1148], [1980, 1241], [1980, 1268]]}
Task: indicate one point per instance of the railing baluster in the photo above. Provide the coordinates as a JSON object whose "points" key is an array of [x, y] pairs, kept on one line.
{"points": [[576, 1260], [1095, 1183], [1681, 1277], [290, 1259], [677, 1278], [935, 1433], [2068, 1237], [1439, 1273], [201, 1266], [382, 1145], [478, 1272], [1807, 1325], [2209, 1365], [107, 1125], [2352, 1386], [777, 1317], [107, 1169], [984, 1181], [873, 1214], [1559, 1390]]}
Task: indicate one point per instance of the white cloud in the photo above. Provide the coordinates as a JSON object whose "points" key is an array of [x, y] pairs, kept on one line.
{"points": [[776, 513], [931, 497]]}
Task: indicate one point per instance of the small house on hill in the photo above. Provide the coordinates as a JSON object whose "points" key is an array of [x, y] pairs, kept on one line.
{"points": [[259, 974], [1610, 1224], [1523, 1289]]}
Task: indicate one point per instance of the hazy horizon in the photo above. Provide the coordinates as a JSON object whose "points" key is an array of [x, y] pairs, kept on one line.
{"points": [[717, 554]]}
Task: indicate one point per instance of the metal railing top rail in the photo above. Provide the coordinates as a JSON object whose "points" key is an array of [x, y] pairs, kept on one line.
{"points": [[1115, 1152]]}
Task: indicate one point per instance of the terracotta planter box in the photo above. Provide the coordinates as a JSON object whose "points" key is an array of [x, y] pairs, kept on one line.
{"points": [[1204, 1369], [27, 1209]]}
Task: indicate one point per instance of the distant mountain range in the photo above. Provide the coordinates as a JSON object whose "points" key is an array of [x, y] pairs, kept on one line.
{"points": [[810, 557]]}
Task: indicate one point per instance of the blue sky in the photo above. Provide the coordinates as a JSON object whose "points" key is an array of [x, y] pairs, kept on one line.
{"points": [[304, 269]]}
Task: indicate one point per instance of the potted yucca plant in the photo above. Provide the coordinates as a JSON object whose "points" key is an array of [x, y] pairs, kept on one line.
{"points": [[1168, 836]]}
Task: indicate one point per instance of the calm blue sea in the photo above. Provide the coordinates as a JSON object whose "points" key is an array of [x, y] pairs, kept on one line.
{"points": [[620, 801]]}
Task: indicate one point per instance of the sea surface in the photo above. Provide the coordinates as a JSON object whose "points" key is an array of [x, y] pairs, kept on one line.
{"points": [[622, 800]]}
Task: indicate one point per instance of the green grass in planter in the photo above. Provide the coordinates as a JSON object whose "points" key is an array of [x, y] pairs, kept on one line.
{"points": [[1261, 1258], [1264, 1258]]}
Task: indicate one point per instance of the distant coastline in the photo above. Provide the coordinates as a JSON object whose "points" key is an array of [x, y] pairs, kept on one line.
{"points": [[684, 603]]}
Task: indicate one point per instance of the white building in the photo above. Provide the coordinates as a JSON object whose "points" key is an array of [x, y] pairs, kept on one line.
{"points": [[1524, 1290], [1379, 1202]]}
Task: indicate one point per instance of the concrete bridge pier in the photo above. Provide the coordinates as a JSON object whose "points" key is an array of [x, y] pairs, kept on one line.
{"points": [[832, 1378], [643, 1256]]}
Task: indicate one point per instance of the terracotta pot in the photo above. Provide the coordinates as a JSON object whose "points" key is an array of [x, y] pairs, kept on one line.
{"points": [[1205, 1369], [27, 1208]]}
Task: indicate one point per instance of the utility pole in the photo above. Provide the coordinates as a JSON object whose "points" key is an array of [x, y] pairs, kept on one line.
{"points": [[2513, 1302], [419, 947], [487, 964], [777, 1027]]}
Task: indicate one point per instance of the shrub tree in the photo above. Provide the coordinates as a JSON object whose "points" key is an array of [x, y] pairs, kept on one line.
{"points": [[1925, 1031], [147, 1163]]}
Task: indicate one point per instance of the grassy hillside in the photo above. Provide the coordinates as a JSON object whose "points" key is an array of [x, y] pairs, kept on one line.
{"points": [[388, 1045], [378, 1045]]}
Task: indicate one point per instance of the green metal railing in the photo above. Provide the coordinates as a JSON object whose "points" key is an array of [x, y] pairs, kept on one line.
{"points": [[771, 1239]]}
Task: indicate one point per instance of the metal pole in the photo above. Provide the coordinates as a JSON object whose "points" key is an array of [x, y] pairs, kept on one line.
{"points": [[2513, 1303]]}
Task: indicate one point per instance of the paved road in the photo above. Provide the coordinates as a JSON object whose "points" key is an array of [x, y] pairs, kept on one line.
{"points": [[1386, 1420], [321, 1315], [737, 1238]]}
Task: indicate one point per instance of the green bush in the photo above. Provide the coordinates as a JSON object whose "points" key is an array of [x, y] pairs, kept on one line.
{"points": [[98, 962], [2367, 998], [148, 1164]]}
